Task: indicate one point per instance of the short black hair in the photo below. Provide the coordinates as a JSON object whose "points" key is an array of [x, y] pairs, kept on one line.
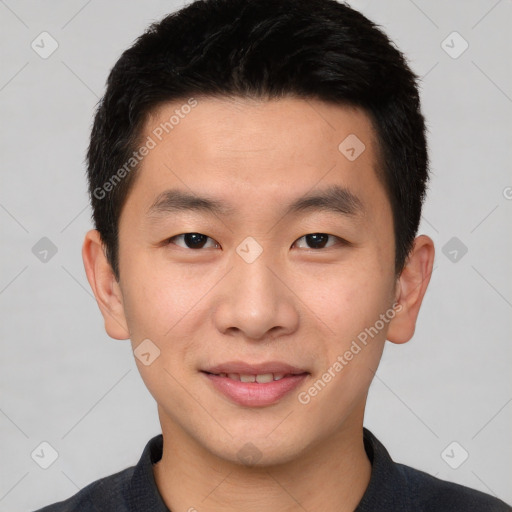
{"points": [[262, 49]]}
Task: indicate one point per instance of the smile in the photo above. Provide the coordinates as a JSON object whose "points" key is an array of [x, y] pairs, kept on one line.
{"points": [[261, 378], [254, 385]]}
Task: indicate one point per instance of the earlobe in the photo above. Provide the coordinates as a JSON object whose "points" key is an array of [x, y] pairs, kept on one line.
{"points": [[412, 285], [104, 286]]}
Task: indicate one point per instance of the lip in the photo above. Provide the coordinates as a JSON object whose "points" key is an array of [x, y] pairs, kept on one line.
{"points": [[255, 369], [254, 394]]}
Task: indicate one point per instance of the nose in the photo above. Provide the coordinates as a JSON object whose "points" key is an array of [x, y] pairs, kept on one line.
{"points": [[255, 301]]}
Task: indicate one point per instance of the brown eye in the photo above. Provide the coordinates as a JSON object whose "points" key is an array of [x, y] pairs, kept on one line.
{"points": [[318, 240], [192, 240]]}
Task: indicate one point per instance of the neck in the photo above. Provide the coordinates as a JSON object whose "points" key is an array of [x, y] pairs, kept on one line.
{"points": [[331, 476]]}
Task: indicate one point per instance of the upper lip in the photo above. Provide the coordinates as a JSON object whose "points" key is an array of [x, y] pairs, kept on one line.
{"points": [[244, 368]]}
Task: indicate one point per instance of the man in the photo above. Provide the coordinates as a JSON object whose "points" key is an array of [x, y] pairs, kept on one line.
{"points": [[257, 170]]}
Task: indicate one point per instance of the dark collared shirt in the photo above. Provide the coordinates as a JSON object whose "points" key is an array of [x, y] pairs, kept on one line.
{"points": [[393, 487]]}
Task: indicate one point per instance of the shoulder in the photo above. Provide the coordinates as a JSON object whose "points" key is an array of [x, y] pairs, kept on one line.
{"points": [[432, 494], [108, 493], [395, 487], [133, 488]]}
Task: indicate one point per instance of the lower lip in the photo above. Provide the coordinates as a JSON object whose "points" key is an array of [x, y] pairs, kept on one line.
{"points": [[253, 394]]}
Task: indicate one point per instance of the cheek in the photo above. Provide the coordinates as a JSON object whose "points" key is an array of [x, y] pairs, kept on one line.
{"points": [[147, 310], [159, 307], [352, 306], [156, 298], [167, 306], [351, 298]]}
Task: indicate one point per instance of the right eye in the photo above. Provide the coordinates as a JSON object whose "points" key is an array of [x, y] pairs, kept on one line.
{"points": [[192, 240]]}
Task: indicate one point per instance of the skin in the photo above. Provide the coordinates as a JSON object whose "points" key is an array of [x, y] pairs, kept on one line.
{"points": [[294, 303]]}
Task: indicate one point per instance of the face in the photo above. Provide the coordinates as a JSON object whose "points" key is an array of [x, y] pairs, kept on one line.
{"points": [[259, 278]]}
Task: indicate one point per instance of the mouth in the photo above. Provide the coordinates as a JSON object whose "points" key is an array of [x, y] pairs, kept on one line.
{"points": [[255, 385], [260, 378]]}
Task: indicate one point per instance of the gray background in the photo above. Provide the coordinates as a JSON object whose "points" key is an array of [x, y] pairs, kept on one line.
{"points": [[64, 381]]}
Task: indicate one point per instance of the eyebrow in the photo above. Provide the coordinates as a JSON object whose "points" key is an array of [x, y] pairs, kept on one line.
{"points": [[333, 199]]}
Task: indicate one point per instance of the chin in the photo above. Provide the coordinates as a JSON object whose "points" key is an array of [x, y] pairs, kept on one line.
{"points": [[261, 451]]}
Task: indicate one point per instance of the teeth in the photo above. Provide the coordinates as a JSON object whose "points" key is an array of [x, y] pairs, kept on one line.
{"points": [[261, 379], [266, 377]]}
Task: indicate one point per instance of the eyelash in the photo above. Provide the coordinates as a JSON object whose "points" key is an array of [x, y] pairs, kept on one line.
{"points": [[341, 241]]}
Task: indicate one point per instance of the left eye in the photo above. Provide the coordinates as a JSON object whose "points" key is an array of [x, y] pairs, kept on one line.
{"points": [[193, 240], [317, 240]]}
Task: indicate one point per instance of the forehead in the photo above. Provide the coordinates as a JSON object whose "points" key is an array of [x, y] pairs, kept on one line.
{"points": [[249, 153]]}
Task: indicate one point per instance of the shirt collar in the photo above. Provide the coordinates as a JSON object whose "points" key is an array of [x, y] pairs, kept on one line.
{"points": [[387, 490], [144, 494]]}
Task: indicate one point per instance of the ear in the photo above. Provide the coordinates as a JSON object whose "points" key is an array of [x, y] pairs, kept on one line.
{"points": [[411, 287], [104, 286]]}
